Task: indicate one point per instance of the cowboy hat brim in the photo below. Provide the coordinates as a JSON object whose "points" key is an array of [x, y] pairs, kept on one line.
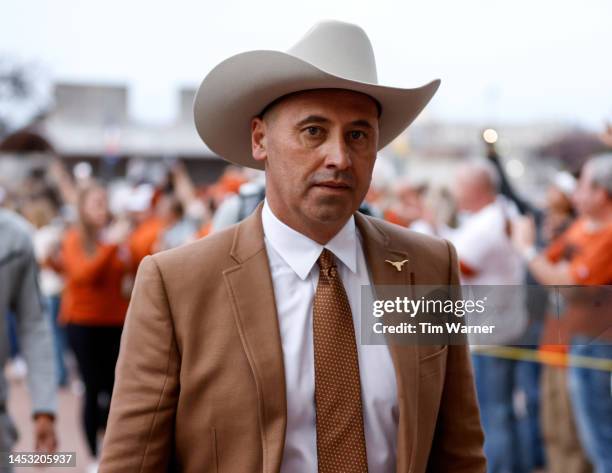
{"points": [[240, 87]]}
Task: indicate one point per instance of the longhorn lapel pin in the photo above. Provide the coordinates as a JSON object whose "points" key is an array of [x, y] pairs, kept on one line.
{"points": [[397, 264]]}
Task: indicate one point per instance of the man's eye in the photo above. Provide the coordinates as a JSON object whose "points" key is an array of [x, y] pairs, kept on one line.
{"points": [[357, 135], [313, 130]]}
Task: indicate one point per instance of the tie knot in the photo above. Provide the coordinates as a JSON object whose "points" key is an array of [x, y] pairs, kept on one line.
{"points": [[326, 262]]}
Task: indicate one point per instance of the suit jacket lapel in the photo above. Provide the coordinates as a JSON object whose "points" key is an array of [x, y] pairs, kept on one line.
{"points": [[377, 249], [251, 292]]}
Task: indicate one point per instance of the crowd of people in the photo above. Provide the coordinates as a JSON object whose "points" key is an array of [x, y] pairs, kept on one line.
{"points": [[539, 413]]}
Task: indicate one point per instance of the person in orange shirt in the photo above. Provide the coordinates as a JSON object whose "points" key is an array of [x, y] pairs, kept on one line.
{"points": [[95, 262], [143, 238], [582, 256], [147, 226], [408, 203]]}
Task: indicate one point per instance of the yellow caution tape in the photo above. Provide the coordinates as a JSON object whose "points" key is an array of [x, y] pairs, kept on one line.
{"points": [[547, 357]]}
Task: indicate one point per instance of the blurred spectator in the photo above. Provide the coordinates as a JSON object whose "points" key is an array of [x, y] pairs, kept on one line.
{"points": [[19, 292], [438, 214], [482, 237], [486, 257], [95, 260], [407, 205], [141, 208], [63, 182], [184, 189], [164, 217], [550, 222], [178, 228], [240, 205], [558, 212], [583, 256], [228, 184], [42, 210], [194, 212]]}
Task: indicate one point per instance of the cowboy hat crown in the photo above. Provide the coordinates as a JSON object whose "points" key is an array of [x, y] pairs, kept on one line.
{"points": [[338, 48], [332, 55]]}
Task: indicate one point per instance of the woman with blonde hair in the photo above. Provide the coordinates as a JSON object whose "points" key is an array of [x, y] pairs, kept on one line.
{"points": [[96, 263]]}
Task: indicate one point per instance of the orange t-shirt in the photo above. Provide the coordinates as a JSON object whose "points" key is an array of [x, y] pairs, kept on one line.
{"points": [[589, 255], [143, 239], [93, 283]]}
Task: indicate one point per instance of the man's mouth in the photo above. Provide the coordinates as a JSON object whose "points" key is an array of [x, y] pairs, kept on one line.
{"points": [[338, 185]]}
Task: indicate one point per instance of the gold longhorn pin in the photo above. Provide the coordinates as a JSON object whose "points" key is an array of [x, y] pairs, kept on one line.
{"points": [[397, 264]]}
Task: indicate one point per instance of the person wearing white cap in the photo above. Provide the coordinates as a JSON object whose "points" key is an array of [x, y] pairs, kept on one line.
{"points": [[241, 350]]}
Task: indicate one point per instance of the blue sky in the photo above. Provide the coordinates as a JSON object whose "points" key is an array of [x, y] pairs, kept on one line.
{"points": [[520, 61]]}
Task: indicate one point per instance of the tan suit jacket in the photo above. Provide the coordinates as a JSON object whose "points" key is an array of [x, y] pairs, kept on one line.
{"points": [[200, 382]]}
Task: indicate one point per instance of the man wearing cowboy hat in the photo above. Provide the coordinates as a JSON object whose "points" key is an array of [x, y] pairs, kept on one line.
{"points": [[239, 352]]}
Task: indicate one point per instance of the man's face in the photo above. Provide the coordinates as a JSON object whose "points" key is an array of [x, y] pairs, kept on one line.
{"points": [[465, 191], [588, 198], [319, 149], [472, 190]]}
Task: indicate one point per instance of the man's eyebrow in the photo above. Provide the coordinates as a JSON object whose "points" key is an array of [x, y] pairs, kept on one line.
{"points": [[322, 120], [362, 123], [312, 119]]}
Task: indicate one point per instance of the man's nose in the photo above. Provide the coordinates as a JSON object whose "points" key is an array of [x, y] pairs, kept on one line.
{"points": [[338, 154]]}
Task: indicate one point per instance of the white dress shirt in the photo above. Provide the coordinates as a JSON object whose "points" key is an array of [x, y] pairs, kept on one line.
{"points": [[295, 274]]}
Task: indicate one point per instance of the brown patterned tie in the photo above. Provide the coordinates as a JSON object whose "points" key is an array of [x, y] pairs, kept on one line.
{"points": [[340, 436]]}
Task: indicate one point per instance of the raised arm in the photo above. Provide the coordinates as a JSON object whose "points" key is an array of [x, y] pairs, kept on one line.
{"points": [[506, 187]]}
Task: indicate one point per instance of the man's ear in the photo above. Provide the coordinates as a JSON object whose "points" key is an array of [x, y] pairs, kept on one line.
{"points": [[258, 139]]}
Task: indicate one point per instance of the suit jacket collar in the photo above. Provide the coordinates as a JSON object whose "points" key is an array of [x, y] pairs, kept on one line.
{"points": [[251, 294], [300, 252]]}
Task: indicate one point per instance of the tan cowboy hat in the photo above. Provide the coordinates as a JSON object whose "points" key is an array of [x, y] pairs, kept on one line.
{"points": [[332, 55]]}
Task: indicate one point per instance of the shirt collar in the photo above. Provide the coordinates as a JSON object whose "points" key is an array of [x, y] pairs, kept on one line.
{"points": [[300, 252]]}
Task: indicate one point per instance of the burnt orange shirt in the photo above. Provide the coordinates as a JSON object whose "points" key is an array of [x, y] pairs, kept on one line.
{"points": [[589, 255], [93, 283], [143, 238]]}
